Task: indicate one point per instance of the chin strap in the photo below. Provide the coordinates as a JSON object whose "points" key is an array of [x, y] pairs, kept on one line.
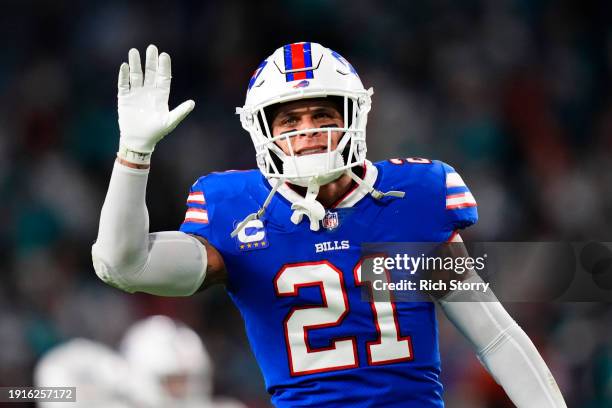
{"points": [[257, 215], [310, 207], [315, 211], [377, 194]]}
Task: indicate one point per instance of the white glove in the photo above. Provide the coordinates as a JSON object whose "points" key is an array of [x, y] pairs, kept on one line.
{"points": [[144, 118]]}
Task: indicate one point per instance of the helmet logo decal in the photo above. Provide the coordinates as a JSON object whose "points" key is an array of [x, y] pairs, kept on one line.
{"points": [[344, 62], [256, 74], [302, 84], [298, 61]]}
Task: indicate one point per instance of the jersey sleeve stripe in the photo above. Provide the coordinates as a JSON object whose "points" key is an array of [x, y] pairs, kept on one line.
{"points": [[196, 197], [461, 200], [454, 180], [196, 215]]}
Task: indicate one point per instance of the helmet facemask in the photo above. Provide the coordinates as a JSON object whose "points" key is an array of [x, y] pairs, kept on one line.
{"points": [[303, 71], [320, 168]]}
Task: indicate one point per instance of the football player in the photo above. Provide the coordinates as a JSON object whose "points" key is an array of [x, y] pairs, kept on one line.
{"points": [[173, 356], [101, 377], [286, 240]]}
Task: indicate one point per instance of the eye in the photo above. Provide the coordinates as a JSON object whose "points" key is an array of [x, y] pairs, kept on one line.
{"points": [[288, 121]]}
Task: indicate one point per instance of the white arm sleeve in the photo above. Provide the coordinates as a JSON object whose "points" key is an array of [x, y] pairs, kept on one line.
{"points": [[503, 347], [126, 256]]}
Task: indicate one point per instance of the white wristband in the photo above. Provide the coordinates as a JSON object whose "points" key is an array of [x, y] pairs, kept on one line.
{"points": [[133, 156]]}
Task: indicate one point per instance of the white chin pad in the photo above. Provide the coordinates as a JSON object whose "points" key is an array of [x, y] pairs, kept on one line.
{"points": [[320, 166]]}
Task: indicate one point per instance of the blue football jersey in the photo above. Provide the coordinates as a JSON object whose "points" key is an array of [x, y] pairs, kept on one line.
{"points": [[299, 291]]}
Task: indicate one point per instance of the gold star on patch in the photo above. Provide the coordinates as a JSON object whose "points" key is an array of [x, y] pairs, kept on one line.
{"points": [[249, 245], [242, 246]]}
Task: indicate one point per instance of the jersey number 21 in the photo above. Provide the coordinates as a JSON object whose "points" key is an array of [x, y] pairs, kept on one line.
{"points": [[389, 347]]}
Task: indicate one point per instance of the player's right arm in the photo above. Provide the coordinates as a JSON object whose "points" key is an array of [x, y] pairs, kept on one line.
{"points": [[125, 254]]}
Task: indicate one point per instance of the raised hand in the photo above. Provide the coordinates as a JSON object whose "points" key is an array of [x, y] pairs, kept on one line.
{"points": [[144, 117]]}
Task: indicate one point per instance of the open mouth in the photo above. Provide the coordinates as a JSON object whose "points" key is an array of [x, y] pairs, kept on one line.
{"points": [[311, 150]]}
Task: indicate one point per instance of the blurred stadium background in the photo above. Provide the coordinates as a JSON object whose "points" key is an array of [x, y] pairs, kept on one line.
{"points": [[514, 93]]}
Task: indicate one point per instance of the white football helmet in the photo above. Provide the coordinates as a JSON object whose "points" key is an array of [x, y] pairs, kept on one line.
{"points": [[297, 71], [101, 376], [174, 356]]}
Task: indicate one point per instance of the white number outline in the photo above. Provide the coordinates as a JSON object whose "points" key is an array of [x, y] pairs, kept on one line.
{"points": [[334, 342], [380, 311]]}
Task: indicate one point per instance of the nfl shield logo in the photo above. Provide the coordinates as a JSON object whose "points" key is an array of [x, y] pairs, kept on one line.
{"points": [[330, 221]]}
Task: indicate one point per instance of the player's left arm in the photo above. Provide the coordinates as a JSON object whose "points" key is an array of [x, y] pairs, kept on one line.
{"points": [[501, 345]]}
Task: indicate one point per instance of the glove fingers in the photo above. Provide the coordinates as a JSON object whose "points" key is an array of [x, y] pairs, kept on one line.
{"points": [[164, 72], [179, 113], [135, 68], [150, 66], [123, 83]]}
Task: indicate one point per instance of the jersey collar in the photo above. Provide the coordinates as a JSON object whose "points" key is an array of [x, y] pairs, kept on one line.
{"points": [[350, 198]]}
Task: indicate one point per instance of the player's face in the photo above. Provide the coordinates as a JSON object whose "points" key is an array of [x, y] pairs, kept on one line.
{"points": [[307, 114], [176, 385]]}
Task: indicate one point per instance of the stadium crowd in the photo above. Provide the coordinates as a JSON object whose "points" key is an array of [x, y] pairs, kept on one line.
{"points": [[514, 94]]}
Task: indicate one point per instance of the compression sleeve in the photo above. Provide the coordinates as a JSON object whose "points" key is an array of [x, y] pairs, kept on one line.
{"points": [[503, 347], [126, 256]]}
